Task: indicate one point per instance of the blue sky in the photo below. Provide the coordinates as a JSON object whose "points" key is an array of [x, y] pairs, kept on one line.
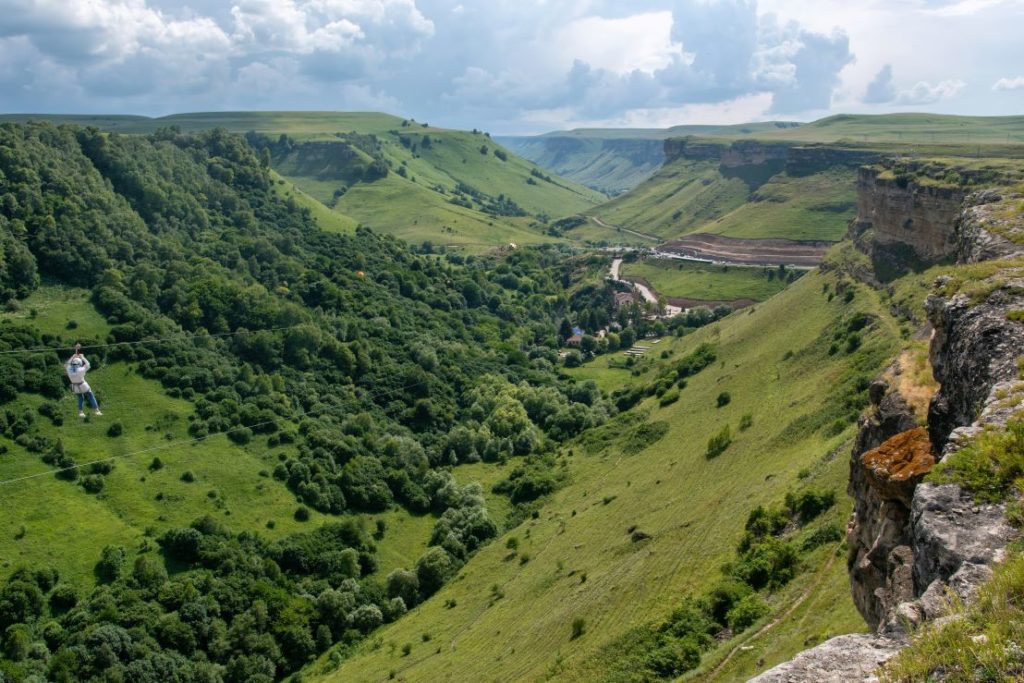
{"points": [[516, 66]]}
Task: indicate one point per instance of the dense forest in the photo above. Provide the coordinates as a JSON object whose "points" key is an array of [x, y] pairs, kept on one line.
{"points": [[381, 366]]}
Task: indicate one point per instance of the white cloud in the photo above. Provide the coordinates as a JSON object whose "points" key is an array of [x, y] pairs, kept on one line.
{"points": [[924, 92], [509, 63], [881, 88], [1009, 83]]}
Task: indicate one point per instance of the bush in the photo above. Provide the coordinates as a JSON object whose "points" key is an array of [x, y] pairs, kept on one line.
{"points": [[240, 435], [156, 464], [669, 397], [807, 505], [93, 483], [115, 429], [188, 477], [302, 514], [579, 627], [829, 533], [723, 399], [718, 443], [703, 356], [746, 422], [746, 612]]}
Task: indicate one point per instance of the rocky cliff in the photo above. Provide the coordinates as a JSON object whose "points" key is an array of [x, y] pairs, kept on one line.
{"points": [[796, 160], [925, 211], [915, 545]]}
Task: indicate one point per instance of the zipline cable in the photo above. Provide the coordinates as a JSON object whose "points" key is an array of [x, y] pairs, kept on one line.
{"points": [[170, 444], [60, 349]]}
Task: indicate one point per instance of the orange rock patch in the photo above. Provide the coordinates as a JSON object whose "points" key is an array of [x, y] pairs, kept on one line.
{"points": [[895, 467]]}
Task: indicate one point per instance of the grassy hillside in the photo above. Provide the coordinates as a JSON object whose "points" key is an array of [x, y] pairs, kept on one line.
{"points": [[814, 207], [508, 616], [908, 128], [681, 197], [502, 198], [691, 280], [288, 406]]}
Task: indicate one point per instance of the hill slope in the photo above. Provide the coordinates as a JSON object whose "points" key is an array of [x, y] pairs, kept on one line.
{"points": [[509, 615], [285, 405], [463, 190]]}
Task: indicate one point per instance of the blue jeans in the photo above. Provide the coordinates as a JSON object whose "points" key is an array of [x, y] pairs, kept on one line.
{"points": [[92, 401]]}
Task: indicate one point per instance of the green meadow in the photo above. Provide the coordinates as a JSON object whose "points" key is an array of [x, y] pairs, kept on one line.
{"points": [[711, 282]]}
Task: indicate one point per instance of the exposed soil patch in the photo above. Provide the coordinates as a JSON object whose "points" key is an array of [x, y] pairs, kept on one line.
{"points": [[751, 252]]}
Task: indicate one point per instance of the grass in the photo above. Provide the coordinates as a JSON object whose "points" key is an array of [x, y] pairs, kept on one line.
{"points": [[990, 467], [814, 207], [984, 644], [582, 561], [688, 279], [327, 219]]}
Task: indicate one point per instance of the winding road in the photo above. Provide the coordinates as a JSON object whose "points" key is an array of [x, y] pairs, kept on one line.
{"points": [[645, 292]]}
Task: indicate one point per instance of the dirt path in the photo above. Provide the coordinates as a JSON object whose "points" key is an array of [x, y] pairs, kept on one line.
{"points": [[822, 575]]}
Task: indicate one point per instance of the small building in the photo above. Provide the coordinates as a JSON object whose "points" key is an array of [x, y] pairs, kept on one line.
{"points": [[574, 340], [623, 299]]}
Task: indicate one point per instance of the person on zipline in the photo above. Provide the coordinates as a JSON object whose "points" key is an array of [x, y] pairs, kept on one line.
{"points": [[76, 367]]}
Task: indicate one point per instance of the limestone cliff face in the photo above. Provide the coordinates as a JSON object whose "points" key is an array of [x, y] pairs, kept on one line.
{"points": [[913, 544], [906, 212], [794, 159]]}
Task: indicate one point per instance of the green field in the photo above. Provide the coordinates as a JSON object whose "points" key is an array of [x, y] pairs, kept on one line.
{"points": [[908, 128], [814, 207], [692, 280], [692, 507]]}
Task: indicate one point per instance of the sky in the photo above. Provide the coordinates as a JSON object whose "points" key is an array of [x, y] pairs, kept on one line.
{"points": [[516, 66]]}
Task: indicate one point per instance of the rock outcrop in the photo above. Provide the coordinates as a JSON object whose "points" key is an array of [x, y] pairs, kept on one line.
{"points": [[912, 544], [991, 226], [794, 159], [904, 213], [844, 659]]}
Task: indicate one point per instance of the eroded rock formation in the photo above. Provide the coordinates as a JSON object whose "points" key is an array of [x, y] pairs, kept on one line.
{"points": [[914, 545]]}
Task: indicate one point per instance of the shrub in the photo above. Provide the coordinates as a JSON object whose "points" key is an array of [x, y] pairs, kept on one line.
{"points": [[92, 483], [809, 504], [188, 476], [111, 564], [669, 397], [746, 422], [156, 464], [719, 442], [703, 356], [302, 514], [241, 435], [829, 533], [746, 612], [115, 429], [723, 399], [579, 627]]}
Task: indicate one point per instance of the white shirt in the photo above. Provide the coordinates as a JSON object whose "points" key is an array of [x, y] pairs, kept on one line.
{"points": [[76, 373]]}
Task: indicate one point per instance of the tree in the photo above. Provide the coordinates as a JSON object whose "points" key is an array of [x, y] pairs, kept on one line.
{"points": [[433, 569]]}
